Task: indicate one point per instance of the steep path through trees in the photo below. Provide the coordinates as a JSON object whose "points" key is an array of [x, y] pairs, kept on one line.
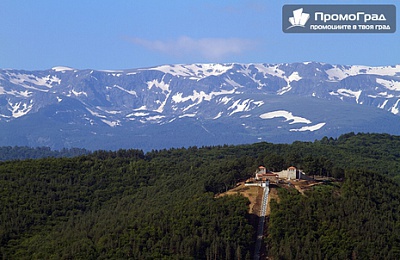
{"points": [[260, 229]]}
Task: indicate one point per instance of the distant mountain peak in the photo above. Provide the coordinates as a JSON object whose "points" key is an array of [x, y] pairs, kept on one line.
{"points": [[213, 98]]}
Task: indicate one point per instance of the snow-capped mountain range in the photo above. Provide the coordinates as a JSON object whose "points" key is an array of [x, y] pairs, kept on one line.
{"points": [[195, 104]]}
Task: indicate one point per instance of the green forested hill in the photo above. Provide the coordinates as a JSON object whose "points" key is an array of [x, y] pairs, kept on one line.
{"points": [[359, 219], [161, 204], [23, 152], [122, 205]]}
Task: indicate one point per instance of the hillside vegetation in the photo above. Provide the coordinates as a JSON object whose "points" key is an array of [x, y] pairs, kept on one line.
{"points": [[359, 219], [24, 152], [161, 204]]}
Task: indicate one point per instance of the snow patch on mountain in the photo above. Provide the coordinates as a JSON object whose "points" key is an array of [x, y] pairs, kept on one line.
{"points": [[224, 100], [294, 120], [338, 73], [187, 115], [311, 128], [158, 84], [160, 109], [389, 84], [200, 96], [347, 93], [382, 70], [232, 83], [19, 109], [395, 109], [131, 92], [111, 123], [350, 93], [111, 112], [206, 70], [382, 94], [293, 77], [287, 115], [245, 116], [177, 98], [219, 115], [15, 93], [144, 107], [137, 114], [284, 90], [194, 71], [383, 105], [93, 113], [154, 118], [76, 93], [245, 105], [27, 80], [239, 106], [272, 70]]}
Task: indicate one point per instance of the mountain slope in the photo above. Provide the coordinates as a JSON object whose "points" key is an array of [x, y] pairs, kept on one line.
{"points": [[196, 104]]}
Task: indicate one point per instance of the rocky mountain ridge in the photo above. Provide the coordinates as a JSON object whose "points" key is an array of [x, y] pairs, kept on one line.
{"points": [[195, 104]]}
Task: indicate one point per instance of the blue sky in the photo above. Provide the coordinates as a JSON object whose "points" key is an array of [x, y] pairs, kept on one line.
{"points": [[123, 34]]}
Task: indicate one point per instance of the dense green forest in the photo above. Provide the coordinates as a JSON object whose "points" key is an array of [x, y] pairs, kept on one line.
{"points": [[359, 219], [23, 152], [162, 205]]}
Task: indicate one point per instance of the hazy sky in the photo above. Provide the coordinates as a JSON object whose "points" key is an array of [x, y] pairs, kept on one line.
{"points": [[122, 34]]}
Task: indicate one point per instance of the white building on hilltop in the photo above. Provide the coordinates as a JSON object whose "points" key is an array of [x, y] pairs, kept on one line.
{"points": [[292, 173], [262, 176]]}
